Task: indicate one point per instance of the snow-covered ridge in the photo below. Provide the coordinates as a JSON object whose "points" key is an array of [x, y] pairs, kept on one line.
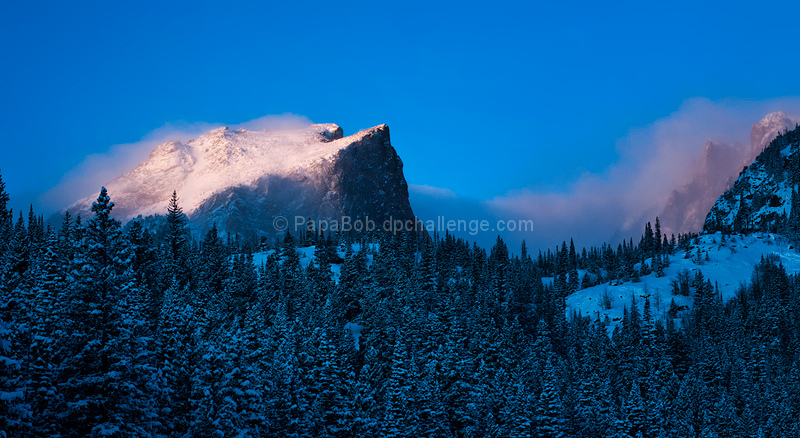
{"points": [[219, 159]]}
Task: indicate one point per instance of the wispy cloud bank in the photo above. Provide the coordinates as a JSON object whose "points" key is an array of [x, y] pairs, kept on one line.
{"points": [[652, 162]]}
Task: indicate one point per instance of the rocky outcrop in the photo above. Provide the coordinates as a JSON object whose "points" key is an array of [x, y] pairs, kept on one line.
{"points": [[363, 180]]}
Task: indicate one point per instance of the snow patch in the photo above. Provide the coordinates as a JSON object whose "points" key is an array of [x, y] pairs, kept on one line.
{"points": [[355, 332]]}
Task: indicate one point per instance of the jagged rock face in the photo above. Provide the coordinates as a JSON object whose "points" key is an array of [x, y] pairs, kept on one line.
{"points": [[715, 172], [241, 180], [761, 198]]}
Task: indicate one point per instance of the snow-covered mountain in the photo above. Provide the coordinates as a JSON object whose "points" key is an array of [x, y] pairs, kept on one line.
{"points": [[755, 218], [242, 179], [762, 196], [715, 171]]}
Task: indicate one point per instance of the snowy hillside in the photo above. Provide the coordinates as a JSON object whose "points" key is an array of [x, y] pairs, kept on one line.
{"points": [[730, 263], [770, 127], [727, 261]]}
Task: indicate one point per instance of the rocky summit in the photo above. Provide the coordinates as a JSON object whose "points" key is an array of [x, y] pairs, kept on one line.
{"points": [[242, 180]]}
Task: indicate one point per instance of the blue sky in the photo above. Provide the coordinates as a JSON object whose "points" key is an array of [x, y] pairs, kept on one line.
{"points": [[482, 98]]}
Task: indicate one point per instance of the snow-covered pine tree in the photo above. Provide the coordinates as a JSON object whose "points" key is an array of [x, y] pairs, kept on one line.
{"points": [[104, 387]]}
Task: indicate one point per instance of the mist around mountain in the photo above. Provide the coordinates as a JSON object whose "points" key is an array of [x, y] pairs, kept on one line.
{"points": [[715, 172], [765, 195], [243, 180], [674, 170], [227, 176], [108, 330]]}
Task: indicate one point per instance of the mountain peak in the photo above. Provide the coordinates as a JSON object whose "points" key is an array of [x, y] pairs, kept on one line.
{"points": [[767, 129], [313, 171], [774, 118], [330, 131], [168, 148], [375, 130]]}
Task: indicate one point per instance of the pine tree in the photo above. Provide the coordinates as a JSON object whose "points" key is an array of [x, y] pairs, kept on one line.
{"points": [[42, 378], [106, 392], [573, 268], [214, 271], [15, 411], [328, 406], [6, 225], [177, 240], [549, 420], [400, 420], [657, 238], [285, 397], [635, 420], [560, 280]]}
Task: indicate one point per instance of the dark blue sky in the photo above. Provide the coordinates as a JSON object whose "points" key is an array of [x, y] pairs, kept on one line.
{"points": [[482, 98]]}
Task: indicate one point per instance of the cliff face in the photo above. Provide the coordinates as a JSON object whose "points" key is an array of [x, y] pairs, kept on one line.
{"points": [[243, 180]]}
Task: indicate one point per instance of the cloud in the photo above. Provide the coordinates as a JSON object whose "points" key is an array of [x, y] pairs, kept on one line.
{"points": [[652, 161], [431, 191], [98, 169]]}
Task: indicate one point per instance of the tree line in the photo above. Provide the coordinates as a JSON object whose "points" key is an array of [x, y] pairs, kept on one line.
{"points": [[108, 330]]}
